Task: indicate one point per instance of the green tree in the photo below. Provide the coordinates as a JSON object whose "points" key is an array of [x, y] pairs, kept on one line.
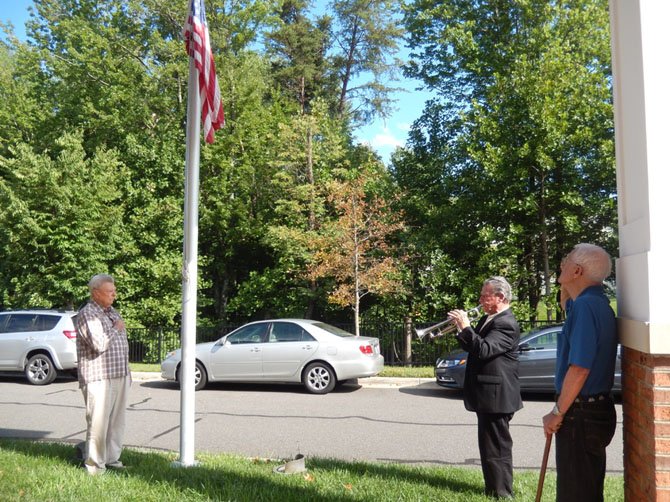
{"points": [[297, 51], [61, 221], [106, 82], [17, 105], [365, 41], [519, 141]]}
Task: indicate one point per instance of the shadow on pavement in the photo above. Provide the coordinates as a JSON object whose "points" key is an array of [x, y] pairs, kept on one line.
{"points": [[432, 390], [343, 388]]}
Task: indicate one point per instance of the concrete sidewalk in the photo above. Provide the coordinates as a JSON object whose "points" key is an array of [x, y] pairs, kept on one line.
{"points": [[376, 382]]}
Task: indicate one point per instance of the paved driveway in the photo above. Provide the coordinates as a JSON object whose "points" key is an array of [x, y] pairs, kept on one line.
{"points": [[419, 423]]}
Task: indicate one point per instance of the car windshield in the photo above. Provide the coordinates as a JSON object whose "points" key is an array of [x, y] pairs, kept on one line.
{"points": [[332, 329]]}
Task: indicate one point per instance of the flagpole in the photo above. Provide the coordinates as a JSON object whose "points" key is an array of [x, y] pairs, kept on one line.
{"points": [[204, 96], [190, 272]]}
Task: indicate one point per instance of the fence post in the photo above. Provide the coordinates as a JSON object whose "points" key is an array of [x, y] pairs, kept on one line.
{"points": [[160, 344], [407, 355]]}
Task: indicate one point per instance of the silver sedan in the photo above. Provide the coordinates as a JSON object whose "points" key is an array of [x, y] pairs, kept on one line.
{"points": [[313, 353]]}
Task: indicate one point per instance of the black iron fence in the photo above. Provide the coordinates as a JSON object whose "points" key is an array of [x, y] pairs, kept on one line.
{"points": [[150, 345]]}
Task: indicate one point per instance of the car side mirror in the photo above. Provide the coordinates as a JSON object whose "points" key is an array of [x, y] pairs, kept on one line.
{"points": [[525, 347]]}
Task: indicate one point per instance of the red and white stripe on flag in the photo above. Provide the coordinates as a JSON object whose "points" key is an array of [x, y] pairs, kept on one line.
{"points": [[196, 36]]}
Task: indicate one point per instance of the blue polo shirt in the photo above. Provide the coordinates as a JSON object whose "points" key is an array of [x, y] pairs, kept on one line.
{"points": [[589, 340]]}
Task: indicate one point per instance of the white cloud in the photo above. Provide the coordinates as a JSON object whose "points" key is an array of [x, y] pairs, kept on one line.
{"points": [[386, 139]]}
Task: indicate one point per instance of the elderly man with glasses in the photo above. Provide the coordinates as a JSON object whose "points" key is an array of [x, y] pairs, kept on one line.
{"points": [[491, 387], [104, 375], [584, 417]]}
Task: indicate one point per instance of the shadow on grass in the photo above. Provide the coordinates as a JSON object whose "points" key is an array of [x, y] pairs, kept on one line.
{"points": [[247, 479], [436, 478]]}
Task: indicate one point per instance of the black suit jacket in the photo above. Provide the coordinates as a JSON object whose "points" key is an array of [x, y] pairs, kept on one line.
{"points": [[492, 370]]}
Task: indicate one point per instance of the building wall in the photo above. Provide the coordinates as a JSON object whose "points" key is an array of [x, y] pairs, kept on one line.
{"points": [[646, 425]]}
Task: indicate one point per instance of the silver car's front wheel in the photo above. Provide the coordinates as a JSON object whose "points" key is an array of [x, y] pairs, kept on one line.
{"points": [[200, 376], [319, 378]]}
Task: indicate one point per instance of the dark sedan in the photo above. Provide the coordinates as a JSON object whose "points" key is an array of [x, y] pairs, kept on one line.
{"points": [[537, 362]]}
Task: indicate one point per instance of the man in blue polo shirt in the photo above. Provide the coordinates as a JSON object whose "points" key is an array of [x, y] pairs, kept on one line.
{"points": [[584, 417]]}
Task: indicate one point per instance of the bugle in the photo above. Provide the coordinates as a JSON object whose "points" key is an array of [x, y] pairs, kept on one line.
{"points": [[447, 326]]}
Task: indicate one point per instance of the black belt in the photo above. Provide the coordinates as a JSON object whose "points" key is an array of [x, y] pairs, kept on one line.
{"points": [[590, 399], [593, 398]]}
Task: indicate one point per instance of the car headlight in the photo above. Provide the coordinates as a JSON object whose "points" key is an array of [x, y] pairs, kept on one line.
{"points": [[450, 363]]}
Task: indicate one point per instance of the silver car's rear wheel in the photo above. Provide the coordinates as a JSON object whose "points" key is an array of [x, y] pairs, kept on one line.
{"points": [[319, 378], [40, 370]]}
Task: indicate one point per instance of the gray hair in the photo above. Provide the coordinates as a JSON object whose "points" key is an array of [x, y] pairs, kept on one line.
{"points": [[594, 260], [98, 280], [500, 286]]}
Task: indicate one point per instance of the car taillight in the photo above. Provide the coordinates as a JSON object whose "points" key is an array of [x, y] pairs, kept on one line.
{"points": [[70, 333], [366, 349]]}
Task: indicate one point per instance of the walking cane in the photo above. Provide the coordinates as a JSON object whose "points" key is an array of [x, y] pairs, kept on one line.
{"points": [[543, 469]]}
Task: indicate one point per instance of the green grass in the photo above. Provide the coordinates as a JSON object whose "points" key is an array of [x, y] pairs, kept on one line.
{"points": [[144, 367], [408, 372], [38, 471]]}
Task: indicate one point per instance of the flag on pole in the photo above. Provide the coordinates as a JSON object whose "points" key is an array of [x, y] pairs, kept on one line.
{"points": [[196, 36]]}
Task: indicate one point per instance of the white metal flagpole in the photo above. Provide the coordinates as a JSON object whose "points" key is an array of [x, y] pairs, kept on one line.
{"points": [[190, 272], [203, 89]]}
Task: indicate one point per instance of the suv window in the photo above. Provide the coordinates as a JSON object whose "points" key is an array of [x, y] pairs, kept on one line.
{"points": [[19, 323]]}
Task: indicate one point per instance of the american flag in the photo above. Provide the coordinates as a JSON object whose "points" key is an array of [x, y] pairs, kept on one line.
{"points": [[196, 36]]}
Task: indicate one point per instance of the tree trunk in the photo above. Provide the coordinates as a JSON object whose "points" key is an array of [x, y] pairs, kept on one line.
{"points": [[545, 251]]}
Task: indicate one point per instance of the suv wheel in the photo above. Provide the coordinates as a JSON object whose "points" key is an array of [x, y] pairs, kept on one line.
{"points": [[40, 370]]}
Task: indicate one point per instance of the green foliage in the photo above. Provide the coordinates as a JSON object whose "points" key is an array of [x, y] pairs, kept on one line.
{"points": [[60, 222], [506, 169], [366, 34], [513, 163], [17, 104]]}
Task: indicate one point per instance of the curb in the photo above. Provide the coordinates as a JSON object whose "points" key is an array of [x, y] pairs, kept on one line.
{"points": [[371, 382]]}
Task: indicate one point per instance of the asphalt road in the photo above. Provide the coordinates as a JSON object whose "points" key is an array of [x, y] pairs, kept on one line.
{"points": [[414, 422]]}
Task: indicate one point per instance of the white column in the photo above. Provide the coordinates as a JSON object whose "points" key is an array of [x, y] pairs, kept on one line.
{"points": [[640, 61]]}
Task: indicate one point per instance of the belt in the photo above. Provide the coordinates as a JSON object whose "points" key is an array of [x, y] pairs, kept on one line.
{"points": [[593, 398], [590, 399]]}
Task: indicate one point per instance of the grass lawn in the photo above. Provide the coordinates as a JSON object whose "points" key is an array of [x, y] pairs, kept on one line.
{"points": [[38, 471]]}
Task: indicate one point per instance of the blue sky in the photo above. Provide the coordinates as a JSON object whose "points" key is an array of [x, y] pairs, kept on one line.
{"points": [[383, 135]]}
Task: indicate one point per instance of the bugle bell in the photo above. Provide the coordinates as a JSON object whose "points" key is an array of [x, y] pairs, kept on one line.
{"points": [[447, 326]]}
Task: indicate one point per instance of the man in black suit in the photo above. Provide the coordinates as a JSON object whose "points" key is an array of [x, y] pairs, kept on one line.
{"points": [[491, 386]]}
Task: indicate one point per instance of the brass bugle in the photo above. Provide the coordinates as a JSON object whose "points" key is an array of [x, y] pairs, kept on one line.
{"points": [[447, 326]]}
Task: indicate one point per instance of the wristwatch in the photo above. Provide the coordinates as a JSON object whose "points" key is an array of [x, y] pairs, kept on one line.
{"points": [[556, 411]]}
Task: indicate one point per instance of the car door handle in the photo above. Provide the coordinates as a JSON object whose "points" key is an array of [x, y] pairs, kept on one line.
{"points": [[306, 347], [30, 339], [255, 349]]}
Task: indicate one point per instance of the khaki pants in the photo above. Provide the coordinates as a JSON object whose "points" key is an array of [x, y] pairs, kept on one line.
{"points": [[105, 402]]}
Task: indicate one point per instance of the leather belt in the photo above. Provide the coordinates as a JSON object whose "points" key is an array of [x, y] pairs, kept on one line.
{"points": [[592, 399]]}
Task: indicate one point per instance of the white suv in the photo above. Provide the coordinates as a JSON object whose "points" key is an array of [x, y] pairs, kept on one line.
{"points": [[38, 342]]}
